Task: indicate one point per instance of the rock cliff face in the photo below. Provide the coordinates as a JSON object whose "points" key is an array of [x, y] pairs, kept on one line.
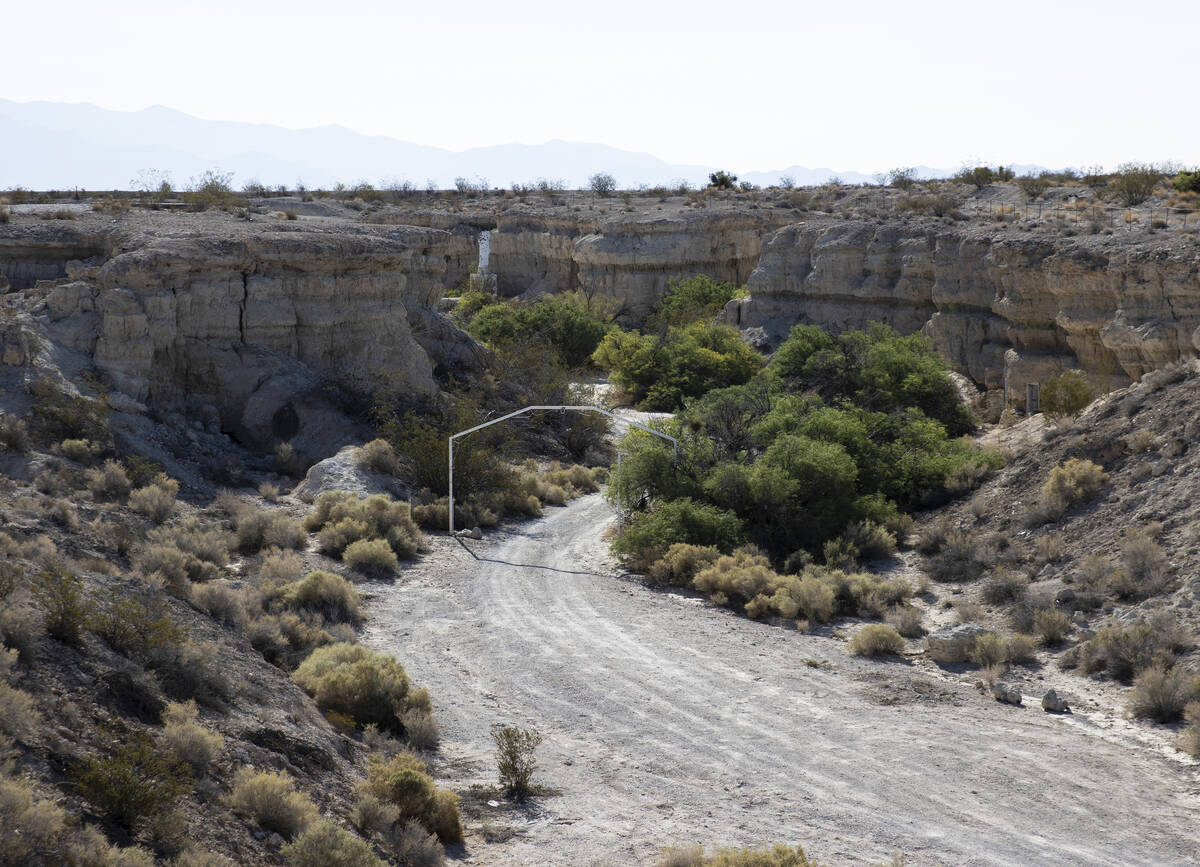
{"points": [[1005, 307], [254, 324], [628, 258]]}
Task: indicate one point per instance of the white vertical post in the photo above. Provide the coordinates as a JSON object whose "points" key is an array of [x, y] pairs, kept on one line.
{"points": [[451, 456]]}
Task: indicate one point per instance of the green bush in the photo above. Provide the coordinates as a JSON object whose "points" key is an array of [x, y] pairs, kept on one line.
{"points": [[367, 686], [135, 781], [694, 299], [515, 758], [689, 361], [324, 844], [651, 533], [1187, 182], [135, 624], [271, 800], [877, 639], [566, 324], [1065, 396], [1134, 183], [59, 593]]}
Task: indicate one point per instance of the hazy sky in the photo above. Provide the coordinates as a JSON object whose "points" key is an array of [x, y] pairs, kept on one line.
{"points": [[847, 84]]}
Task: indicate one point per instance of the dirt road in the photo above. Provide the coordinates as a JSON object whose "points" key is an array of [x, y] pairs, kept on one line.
{"points": [[669, 721]]}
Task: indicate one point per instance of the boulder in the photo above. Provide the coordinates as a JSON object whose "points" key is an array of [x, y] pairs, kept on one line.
{"points": [[1052, 702], [952, 643], [1006, 693]]}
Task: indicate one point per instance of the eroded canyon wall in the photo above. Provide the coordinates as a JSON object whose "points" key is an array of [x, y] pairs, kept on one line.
{"points": [[1004, 306]]}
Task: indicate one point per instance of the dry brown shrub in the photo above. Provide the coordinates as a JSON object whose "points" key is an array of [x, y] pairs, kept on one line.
{"points": [[876, 639], [109, 481], [191, 742], [271, 800]]}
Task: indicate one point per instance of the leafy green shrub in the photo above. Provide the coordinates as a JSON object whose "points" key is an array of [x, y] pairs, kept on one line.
{"points": [[190, 741], [1187, 182], [515, 758], [368, 686], [1065, 396], [59, 593], [692, 299], [1162, 692], [877, 639], [566, 324], [651, 533], [330, 595], [134, 782], [271, 800], [109, 482], [56, 416], [371, 557], [404, 781], [155, 501], [689, 361], [324, 844], [870, 540], [135, 624], [378, 456]]}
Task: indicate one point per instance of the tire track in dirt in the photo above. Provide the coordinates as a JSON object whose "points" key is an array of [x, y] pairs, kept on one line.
{"points": [[670, 721]]}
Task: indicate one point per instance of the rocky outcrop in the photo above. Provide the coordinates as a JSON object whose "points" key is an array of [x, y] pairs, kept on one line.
{"points": [[630, 258], [255, 324], [1004, 306]]}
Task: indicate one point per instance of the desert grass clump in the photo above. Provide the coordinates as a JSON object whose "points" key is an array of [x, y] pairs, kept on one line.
{"points": [[681, 563], [404, 781], [190, 741], [378, 456], [280, 567], [1162, 692], [80, 451], [1020, 650], [416, 846], [1122, 652], [1052, 627], [109, 482], [1144, 568], [324, 844], [220, 602], [156, 501], [324, 593], [988, 650], [421, 729], [877, 639], [368, 686], [1004, 587], [256, 529], [14, 434], [269, 492], [271, 800], [18, 711], [373, 557], [871, 540], [1071, 484], [340, 519], [906, 619], [960, 557], [746, 578], [1189, 741]]}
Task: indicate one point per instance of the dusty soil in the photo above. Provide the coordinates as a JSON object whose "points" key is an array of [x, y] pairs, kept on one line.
{"points": [[668, 721]]}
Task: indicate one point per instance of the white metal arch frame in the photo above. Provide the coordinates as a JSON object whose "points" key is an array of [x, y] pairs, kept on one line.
{"points": [[462, 433]]}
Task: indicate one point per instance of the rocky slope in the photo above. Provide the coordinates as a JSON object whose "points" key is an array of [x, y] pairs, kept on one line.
{"points": [[1006, 304], [243, 322]]}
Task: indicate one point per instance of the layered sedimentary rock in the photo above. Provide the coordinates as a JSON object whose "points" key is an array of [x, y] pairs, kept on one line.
{"points": [[259, 323], [628, 258], [1005, 307]]}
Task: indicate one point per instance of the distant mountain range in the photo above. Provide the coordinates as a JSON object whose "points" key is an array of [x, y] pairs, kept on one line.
{"points": [[52, 145]]}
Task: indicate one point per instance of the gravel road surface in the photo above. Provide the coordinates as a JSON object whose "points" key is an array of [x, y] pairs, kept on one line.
{"points": [[670, 721]]}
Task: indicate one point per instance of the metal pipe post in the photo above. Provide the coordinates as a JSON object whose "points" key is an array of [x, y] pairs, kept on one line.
{"points": [[451, 453]]}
